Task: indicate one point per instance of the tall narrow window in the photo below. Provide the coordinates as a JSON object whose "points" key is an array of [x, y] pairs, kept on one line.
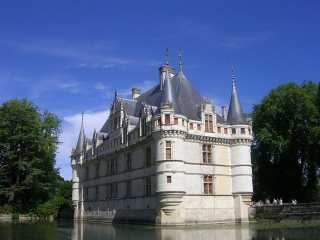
{"points": [[219, 129], [191, 125], [167, 119], [114, 190], [128, 189], [207, 153], [85, 194], [182, 122], [97, 169], [225, 130], [243, 131], [198, 127], [175, 121], [207, 184], [114, 166], [233, 130], [168, 150], [208, 122], [108, 191], [148, 157], [86, 173], [96, 190], [129, 161], [148, 186]]}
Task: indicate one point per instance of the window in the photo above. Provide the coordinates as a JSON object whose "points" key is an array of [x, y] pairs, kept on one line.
{"points": [[176, 121], [233, 131], [249, 130], [114, 166], [243, 131], [148, 157], [85, 194], [148, 186], [208, 122], [97, 169], [191, 125], [109, 167], [114, 190], [167, 119], [96, 193], [86, 173], [198, 127], [108, 191], [219, 129], [207, 153], [159, 122], [168, 150], [182, 122], [129, 161], [225, 130], [207, 184], [169, 180], [128, 189]]}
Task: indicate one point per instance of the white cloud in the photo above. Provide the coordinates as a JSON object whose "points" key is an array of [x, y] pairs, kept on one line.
{"points": [[99, 86], [70, 127]]}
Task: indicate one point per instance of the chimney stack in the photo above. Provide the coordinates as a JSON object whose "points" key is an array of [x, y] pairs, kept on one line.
{"points": [[224, 112], [135, 93]]}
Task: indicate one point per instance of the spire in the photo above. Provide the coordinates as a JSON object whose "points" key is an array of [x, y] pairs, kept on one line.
{"points": [[167, 90], [235, 113], [81, 138]]}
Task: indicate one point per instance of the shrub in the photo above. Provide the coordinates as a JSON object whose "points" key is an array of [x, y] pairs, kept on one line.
{"points": [[50, 208]]}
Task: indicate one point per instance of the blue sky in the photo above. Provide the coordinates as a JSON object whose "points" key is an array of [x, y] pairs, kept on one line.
{"points": [[69, 56]]}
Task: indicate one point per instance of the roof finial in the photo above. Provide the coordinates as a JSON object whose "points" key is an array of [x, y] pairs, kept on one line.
{"points": [[82, 113], [233, 76], [167, 56], [180, 60]]}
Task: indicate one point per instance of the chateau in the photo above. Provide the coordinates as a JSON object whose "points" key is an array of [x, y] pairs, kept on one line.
{"points": [[166, 156]]}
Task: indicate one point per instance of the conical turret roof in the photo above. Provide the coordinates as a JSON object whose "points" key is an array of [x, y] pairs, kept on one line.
{"points": [[235, 113], [81, 138]]}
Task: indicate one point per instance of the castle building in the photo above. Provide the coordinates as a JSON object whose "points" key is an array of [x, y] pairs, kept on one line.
{"points": [[165, 156]]}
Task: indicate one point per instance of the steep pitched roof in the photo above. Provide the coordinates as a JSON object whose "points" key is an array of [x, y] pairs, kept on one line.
{"points": [[81, 138], [235, 112], [177, 90]]}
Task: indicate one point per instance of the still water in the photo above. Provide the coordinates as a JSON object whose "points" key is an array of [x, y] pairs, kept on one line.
{"points": [[65, 231]]}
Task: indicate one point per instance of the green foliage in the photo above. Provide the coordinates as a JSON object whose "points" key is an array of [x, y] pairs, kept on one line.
{"points": [[51, 207], [286, 147], [28, 143], [6, 209]]}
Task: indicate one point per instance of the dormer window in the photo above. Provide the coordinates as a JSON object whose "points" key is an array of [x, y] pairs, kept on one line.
{"points": [[208, 123], [167, 119]]}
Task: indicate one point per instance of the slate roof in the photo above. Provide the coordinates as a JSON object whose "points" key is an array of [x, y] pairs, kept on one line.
{"points": [[235, 112]]}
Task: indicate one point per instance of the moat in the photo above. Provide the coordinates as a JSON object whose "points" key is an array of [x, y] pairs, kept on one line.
{"points": [[68, 230]]}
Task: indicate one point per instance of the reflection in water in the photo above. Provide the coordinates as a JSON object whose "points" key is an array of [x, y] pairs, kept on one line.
{"points": [[221, 232], [80, 231], [99, 231]]}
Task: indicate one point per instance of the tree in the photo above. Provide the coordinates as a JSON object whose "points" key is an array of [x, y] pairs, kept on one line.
{"points": [[287, 142], [28, 143]]}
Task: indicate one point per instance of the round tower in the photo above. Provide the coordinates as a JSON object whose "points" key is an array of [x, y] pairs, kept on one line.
{"points": [[240, 147]]}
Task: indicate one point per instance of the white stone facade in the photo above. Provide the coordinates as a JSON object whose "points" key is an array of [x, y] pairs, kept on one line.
{"points": [[161, 167]]}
